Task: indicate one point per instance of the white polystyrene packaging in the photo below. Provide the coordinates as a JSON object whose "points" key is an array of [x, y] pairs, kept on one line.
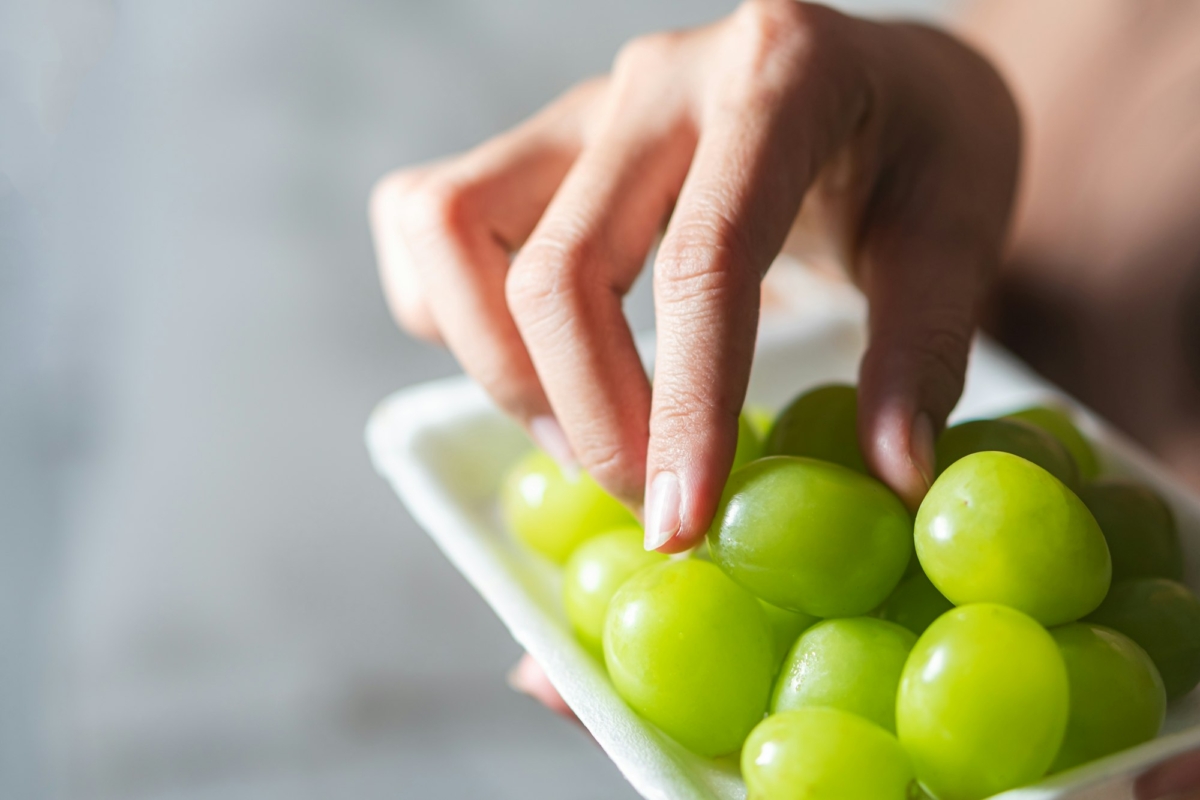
{"points": [[445, 448]]}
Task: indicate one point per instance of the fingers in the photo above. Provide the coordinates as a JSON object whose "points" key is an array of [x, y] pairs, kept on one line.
{"points": [[397, 272], [445, 233], [936, 221], [528, 678], [923, 309], [754, 163], [566, 285]]}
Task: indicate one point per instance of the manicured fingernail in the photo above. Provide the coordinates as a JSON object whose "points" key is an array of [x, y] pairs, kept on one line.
{"points": [[550, 437], [662, 510], [923, 454]]}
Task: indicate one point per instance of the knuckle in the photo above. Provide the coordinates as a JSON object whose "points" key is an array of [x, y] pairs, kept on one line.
{"points": [[678, 411], [389, 192], [704, 262], [784, 45], [773, 28], [546, 277], [440, 204], [416, 320], [644, 54]]}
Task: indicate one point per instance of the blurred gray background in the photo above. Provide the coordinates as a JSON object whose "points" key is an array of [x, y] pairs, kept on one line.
{"points": [[205, 592]]}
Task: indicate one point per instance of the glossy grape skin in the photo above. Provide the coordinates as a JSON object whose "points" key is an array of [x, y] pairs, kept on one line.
{"points": [[1139, 526], [592, 576], [997, 528], [1007, 436], [749, 443], [552, 513], [1117, 696], [821, 423], [1162, 616], [811, 536], [691, 651], [853, 663], [786, 627], [983, 702], [915, 604], [1058, 424], [825, 754]]}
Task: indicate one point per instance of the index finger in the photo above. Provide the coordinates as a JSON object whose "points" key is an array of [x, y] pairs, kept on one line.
{"points": [[776, 120]]}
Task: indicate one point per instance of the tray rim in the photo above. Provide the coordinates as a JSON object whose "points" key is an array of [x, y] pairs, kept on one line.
{"points": [[402, 417]]}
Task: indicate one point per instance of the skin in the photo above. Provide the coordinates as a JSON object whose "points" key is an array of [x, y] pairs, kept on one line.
{"points": [[900, 142], [1100, 286], [1108, 145]]}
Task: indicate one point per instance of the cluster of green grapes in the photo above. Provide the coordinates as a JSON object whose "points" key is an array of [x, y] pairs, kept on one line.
{"points": [[1028, 620]]}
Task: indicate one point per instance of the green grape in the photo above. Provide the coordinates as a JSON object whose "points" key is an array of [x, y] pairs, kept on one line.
{"points": [[914, 565], [786, 627], [852, 663], [691, 651], [996, 528], [552, 513], [1057, 422], [1117, 697], [821, 423], [749, 443], [915, 604], [1164, 618], [811, 536], [592, 576], [825, 754], [761, 419], [983, 702], [1007, 436], [1139, 527]]}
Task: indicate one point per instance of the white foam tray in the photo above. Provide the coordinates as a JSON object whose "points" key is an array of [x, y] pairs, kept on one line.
{"points": [[444, 448]]}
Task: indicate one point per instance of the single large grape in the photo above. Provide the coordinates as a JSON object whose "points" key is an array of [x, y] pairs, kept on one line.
{"points": [[593, 574], [1139, 527], [1007, 436], [825, 754], [786, 627], [983, 702], [997, 528], [852, 663], [552, 513], [821, 423], [915, 604], [690, 651], [1117, 697], [1164, 618], [811, 536], [1058, 423]]}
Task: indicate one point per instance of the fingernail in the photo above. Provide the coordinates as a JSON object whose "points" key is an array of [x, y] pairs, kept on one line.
{"points": [[550, 436], [662, 510], [921, 441]]}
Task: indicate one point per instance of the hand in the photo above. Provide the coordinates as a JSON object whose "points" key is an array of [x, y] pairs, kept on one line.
{"points": [[1177, 778], [900, 143]]}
